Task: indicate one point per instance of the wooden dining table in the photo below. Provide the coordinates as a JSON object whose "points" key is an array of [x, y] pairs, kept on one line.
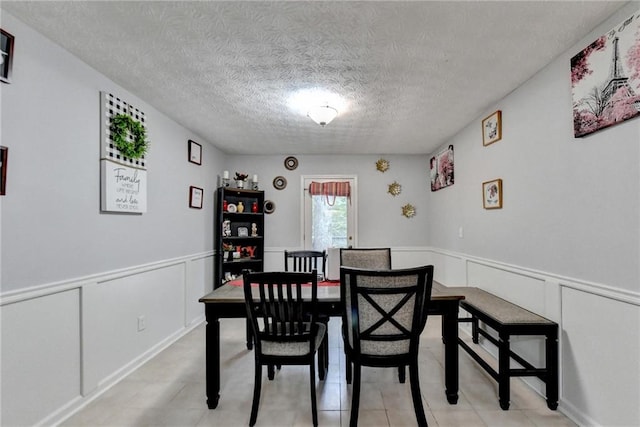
{"points": [[227, 301]]}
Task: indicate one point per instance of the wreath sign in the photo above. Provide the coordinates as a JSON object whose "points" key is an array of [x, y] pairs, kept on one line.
{"points": [[129, 136]]}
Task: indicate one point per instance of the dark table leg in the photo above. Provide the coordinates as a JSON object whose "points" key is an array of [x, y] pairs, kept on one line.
{"points": [[450, 338], [212, 359], [551, 346]]}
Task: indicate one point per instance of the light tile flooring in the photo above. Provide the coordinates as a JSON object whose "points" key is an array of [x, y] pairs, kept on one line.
{"points": [[169, 390]]}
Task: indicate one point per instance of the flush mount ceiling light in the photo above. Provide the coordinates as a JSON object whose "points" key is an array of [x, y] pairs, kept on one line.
{"points": [[323, 114]]}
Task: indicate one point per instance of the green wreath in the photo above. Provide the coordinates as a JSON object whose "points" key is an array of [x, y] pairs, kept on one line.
{"points": [[121, 126]]}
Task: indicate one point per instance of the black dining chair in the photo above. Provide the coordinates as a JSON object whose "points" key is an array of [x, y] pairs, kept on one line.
{"points": [[282, 309], [306, 261], [371, 258], [385, 312]]}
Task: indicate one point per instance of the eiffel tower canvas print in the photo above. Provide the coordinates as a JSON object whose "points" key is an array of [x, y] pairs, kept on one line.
{"points": [[605, 79]]}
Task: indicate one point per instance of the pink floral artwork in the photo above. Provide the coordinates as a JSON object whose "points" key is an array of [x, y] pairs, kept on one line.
{"points": [[441, 169], [605, 79]]}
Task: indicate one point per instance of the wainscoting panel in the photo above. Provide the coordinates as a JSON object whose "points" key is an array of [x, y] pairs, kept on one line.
{"points": [[65, 343], [126, 317], [199, 282], [449, 268], [40, 357], [600, 354]]}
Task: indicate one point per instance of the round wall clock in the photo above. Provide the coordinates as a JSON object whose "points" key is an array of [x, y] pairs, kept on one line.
{"points": [[291, 163], [279, 182]]}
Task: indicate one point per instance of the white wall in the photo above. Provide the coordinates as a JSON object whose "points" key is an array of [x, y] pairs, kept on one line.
{"points": [[380, 220], [51, 214], [566, 243], [74, 280]]}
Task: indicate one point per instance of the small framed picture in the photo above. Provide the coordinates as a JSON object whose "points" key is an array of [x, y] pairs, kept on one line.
{"points": [[195, 152], [441, 169], [492, 128], [492, 194], [243, 232], [195, 197], [4, 156], [6, 56]]}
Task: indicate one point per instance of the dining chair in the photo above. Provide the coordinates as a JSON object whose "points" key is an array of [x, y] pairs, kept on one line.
{"points": [[371, 258], [307, 261], [284, 328], [385, 312]]}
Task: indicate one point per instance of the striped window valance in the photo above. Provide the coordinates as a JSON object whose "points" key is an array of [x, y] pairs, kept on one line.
{"points": [[330, 190]]}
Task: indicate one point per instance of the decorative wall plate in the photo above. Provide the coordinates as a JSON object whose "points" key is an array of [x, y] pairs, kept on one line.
{"points": [[409, 210], [394, 189], [269, 206], [291, 163], [382, 165], [232, 208], [279, 182]]}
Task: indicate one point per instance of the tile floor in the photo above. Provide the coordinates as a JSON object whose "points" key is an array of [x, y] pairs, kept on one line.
{"points": [[169, 390]]}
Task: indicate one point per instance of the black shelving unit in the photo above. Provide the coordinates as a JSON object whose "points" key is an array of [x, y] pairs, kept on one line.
{"points": [[239, 234]]}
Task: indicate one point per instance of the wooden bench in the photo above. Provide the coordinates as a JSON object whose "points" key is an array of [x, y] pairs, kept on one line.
{"points": [[509, 319]]}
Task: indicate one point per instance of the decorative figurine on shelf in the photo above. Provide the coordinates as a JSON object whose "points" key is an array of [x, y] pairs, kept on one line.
{"points": [[225, 205], [225, 178], [226, 228], [240, 207], [254, 230], [228, 249], [254, 207], [240, 179]]}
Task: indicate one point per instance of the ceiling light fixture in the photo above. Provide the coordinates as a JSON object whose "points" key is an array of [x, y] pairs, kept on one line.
{"points": [[323, 114]]}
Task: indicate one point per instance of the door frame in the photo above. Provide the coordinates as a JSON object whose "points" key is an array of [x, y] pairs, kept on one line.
{"points": [[353, 208]]}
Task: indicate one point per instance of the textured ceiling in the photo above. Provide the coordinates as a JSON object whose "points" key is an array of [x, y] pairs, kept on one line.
{"points": [[412, 73]]}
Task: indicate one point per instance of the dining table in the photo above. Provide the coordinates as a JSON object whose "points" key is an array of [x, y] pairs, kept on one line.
{"points": [[227, 301]]}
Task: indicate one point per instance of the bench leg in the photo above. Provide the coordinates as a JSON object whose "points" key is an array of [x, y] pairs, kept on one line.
{"points": [[551, 353], [504, 390], [474, 329]]}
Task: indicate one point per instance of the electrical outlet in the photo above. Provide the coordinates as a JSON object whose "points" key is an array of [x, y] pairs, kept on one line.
{"points": [[142, 323]]}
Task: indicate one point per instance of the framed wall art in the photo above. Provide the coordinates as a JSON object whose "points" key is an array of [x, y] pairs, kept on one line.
{"points": [[195, 152], [441, 169], [492, 128], [123, 162], [6, 56], [605, 79], [195, 197], [492, 194], [4, 157]]}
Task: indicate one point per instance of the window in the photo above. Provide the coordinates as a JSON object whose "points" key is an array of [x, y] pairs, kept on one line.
{"points": [[329, 214]]}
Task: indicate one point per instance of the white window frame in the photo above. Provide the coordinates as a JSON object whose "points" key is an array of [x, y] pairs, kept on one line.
{"points": [[353, 207]]}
